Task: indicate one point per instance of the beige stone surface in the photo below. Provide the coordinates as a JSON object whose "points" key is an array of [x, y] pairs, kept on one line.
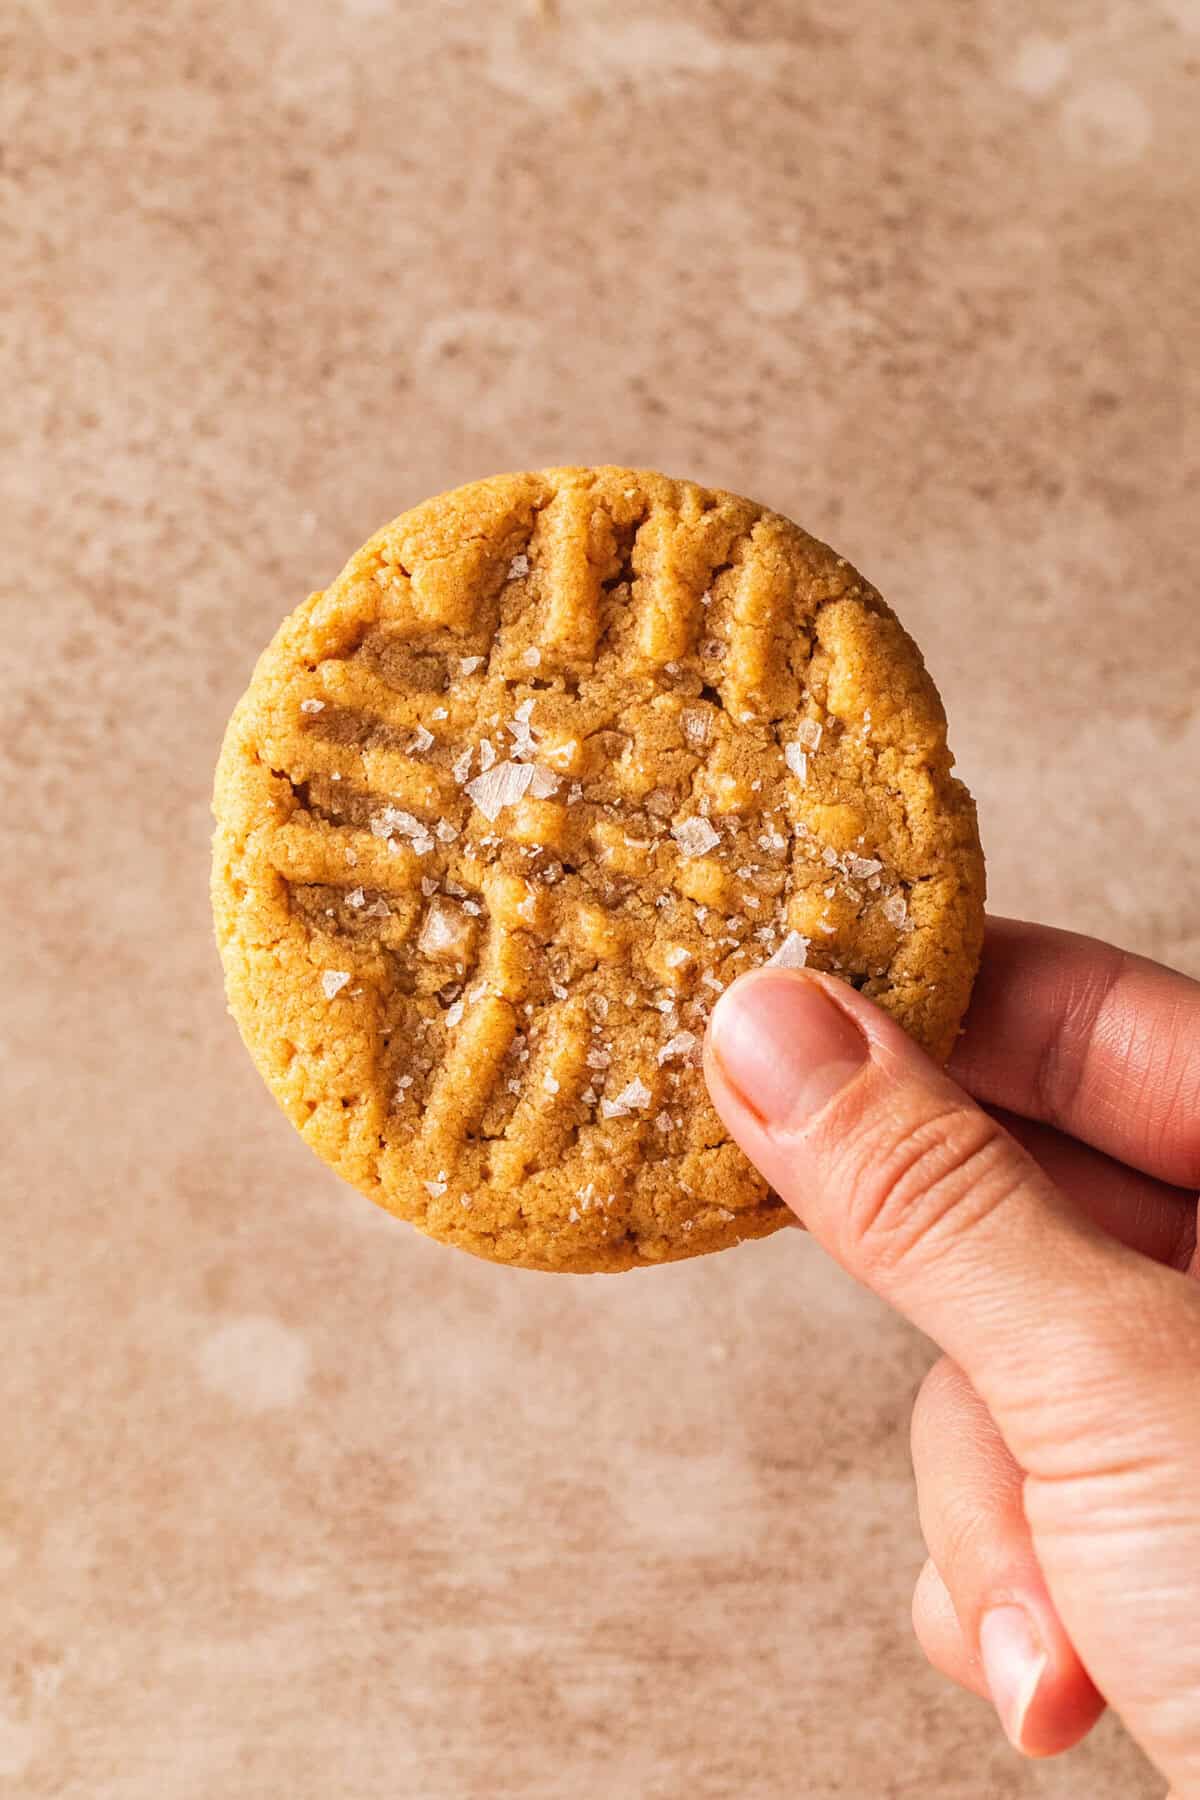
{"points": [[291, 1501]]}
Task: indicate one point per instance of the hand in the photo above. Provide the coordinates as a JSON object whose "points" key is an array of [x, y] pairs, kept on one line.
{"points": [[1050, 1250]]}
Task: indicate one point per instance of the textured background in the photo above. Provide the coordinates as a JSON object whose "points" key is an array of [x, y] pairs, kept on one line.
{"points": [[291, 1502]]}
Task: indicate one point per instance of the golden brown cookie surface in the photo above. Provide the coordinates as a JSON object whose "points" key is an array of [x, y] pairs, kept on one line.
{"points": [[554, 759]]}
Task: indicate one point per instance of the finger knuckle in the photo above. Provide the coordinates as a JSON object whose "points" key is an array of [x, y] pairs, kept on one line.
{"points": [[935, 1181]]}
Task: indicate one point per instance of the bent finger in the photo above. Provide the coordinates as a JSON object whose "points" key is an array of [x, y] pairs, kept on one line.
{"points": [[969, 1491], [1100, 1043], [1145, 1215]]}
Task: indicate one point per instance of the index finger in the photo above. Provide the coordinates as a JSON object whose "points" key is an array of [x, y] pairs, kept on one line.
{"points": [[1088, 1038]]}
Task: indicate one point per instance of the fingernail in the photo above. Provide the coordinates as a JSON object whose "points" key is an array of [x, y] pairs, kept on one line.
{"points": [[1014, 1661], [785, 1046]]}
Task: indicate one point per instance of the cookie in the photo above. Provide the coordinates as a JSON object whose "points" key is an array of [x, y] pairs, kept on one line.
{"points": [[502, 812]]}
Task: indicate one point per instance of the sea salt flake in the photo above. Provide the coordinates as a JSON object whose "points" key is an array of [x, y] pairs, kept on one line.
{"points": [[439, 712], [445, 932], [378, 909], [518, 567], [393, 819], [544, 783], [355, 897], [791, 954], [863, 867], [808, 734], [597, 1057], [796, 760], [454, 1013], [487, 755], [312, 706], [573, 1216], [467, 665], [501, 786], [709, 980], [830, 857], [677, 955], [428, 885], [682, 1044], [596, 1006], [435, 1189], [333, 981], [531, 657], [636, 1094], [423, 740], [695, 837], [550, 1084], [460, 768], [446, 831], [895, 910]]}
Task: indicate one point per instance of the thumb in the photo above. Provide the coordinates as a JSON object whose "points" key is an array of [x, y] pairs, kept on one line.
{"points": [[930, 1202]]}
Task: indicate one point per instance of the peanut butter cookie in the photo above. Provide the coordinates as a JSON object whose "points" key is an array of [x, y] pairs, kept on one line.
{"points": [[555, 758]]}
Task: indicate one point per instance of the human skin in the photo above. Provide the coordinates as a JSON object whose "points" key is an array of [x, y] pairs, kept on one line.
{"points": [[1033, 1210]]}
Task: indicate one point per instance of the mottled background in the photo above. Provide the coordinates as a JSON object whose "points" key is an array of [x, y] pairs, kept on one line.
{"points": [[292, 1502]]}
